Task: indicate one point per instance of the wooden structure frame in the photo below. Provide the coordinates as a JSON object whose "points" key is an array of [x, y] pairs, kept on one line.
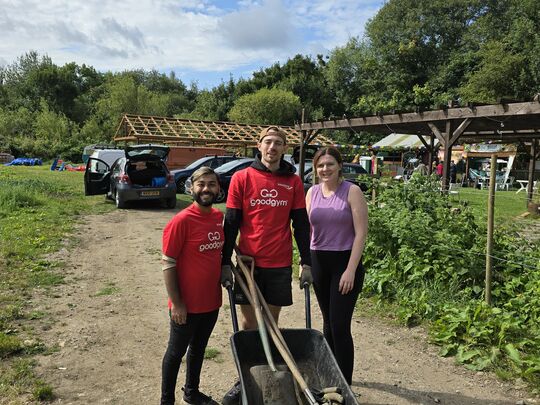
{"points": [[174, 131], [497, 123]]}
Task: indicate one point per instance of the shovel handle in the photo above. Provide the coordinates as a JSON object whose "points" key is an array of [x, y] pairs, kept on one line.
{"points": [[234, 317], [308, 305]]}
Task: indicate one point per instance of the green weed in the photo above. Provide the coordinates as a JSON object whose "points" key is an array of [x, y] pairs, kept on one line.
{"points": [[109, 289], [211, 353], [43, 391], [9, 345]]}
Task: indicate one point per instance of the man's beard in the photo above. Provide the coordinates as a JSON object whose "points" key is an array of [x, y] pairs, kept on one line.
{"points": [[204, 203]]}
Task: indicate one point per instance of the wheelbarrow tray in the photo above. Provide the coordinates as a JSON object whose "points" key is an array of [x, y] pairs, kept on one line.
{"points": [[310, 351]]}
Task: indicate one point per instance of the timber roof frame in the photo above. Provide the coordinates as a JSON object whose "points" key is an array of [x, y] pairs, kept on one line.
{"points": [[504, 122], [510, 122], [175, 131]]}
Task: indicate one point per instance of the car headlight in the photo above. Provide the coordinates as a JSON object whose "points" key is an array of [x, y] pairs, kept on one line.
{"points": [[187, 187]]}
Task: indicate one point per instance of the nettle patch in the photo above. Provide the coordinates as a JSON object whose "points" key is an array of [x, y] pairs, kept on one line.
{"points": [[428, 258]]}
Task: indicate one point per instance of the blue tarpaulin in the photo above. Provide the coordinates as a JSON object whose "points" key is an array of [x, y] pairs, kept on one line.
{"points": [[25, 162]]}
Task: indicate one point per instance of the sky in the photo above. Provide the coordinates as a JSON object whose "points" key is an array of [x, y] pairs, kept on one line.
{"points": [[202, 41]]}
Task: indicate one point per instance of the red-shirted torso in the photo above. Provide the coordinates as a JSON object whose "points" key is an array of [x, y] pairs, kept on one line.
{"points": [[195, 240], [266, 201]]}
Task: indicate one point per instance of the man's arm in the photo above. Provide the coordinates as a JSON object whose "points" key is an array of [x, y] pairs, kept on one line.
{"points": [[233, 218], [300, 223], [178, 310]]}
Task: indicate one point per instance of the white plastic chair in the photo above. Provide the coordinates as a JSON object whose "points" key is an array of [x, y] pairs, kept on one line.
{"points": [[505, 185]]}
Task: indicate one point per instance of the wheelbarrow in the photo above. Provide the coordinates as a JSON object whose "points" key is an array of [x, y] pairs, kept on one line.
{"points": [[312, 357]]}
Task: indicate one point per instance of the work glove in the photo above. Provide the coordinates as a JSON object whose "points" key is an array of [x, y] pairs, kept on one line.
{"points": [[305, 275], [226, 278]]}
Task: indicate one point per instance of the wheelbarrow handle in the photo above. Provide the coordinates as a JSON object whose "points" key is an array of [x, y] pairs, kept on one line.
{"points": [[308, 305], [234, 317]]}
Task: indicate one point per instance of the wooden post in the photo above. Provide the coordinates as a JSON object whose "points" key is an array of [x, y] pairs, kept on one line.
{"points": [[491, 207], [431, 153], [447, 146], [375, 174], [532, 164], [303, 138]]}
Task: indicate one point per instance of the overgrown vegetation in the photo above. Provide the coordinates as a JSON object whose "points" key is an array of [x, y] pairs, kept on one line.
{"points": [[428, 258], [38, 209], [415, 55]]}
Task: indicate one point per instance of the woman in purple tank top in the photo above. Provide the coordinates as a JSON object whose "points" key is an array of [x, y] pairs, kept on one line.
{"points": [[339, 222]]}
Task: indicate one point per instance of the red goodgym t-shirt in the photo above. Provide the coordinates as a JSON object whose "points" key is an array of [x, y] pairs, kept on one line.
{"points": [[266, 201], [195, 240]]}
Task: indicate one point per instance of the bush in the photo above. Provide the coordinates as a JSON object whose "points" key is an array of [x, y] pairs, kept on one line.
{"points": [[429, 259]]}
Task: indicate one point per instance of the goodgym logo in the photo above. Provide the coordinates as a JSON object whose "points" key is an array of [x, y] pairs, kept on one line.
{"points": [[212, 236], [215, 242], [268, 197], [269, 193]]}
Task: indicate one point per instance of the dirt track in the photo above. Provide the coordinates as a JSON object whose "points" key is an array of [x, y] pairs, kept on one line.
{"points": [[111, 346]]}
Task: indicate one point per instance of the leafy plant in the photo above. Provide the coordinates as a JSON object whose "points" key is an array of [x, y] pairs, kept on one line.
{"points": [[427, 257]]}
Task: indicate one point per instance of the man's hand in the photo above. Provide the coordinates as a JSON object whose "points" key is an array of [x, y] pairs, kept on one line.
{"points": [[226, 276], [306, 279], [179, 313]]}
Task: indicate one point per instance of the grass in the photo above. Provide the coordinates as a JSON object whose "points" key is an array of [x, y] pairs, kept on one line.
{"points": [[211, 353], [508, 204], [109, 289], [38, 211]]}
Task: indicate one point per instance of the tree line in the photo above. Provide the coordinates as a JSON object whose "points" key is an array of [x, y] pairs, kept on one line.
{"points": [[414, 55]]}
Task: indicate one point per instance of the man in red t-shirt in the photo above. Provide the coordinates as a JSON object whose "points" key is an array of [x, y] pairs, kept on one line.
{"points": [[191, 262], [262, 201]]}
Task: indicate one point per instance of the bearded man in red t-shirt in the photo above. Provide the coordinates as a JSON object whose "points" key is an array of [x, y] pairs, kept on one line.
{"points": [[191, 262], [262, 202]]}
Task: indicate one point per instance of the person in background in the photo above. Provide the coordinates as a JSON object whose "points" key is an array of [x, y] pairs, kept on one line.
{"points": [[440, 168], [338, 215], [262, 202], [453, 172], [191, 263], [460, 169]]}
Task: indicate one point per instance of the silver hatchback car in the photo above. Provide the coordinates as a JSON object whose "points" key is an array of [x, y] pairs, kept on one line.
{"points": [[140, 175]]}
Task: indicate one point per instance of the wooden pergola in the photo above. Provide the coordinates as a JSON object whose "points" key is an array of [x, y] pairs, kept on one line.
{"points": [[497, 123], [183, 132]]}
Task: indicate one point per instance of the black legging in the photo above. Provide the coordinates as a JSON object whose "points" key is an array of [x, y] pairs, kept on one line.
{"points": [[337, 309], [195, 334]]}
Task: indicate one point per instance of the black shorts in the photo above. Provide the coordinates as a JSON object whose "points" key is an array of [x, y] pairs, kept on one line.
{"points": [[274, 283]]}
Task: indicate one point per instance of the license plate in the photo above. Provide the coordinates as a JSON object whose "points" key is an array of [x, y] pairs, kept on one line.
{"points": [[149, 193]]}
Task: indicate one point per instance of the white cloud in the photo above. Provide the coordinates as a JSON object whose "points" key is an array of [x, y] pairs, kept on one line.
{"points": [[265, 26], [189, 35]]}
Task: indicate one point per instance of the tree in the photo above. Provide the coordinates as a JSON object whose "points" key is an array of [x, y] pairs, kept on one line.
{"points": [[267, 107], [497, 75]]}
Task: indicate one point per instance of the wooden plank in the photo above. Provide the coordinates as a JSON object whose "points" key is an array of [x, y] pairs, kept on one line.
{"points": [[436, 132], [423, 141], [460, 129], [492, 111]]}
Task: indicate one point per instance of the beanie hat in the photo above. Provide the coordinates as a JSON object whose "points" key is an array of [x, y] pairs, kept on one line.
{"points": [[273, 131]]}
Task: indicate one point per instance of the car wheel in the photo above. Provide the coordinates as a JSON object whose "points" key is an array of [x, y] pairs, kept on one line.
{"points": [[120, 203], [221, 196], [170, 202], [180, 186]]}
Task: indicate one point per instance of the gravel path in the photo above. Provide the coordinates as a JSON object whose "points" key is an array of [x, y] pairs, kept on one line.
{"points": [[110, 323]]}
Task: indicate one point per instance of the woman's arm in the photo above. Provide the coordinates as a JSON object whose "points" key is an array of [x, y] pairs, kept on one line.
{"points": [[359, 212], [308, 201]]}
